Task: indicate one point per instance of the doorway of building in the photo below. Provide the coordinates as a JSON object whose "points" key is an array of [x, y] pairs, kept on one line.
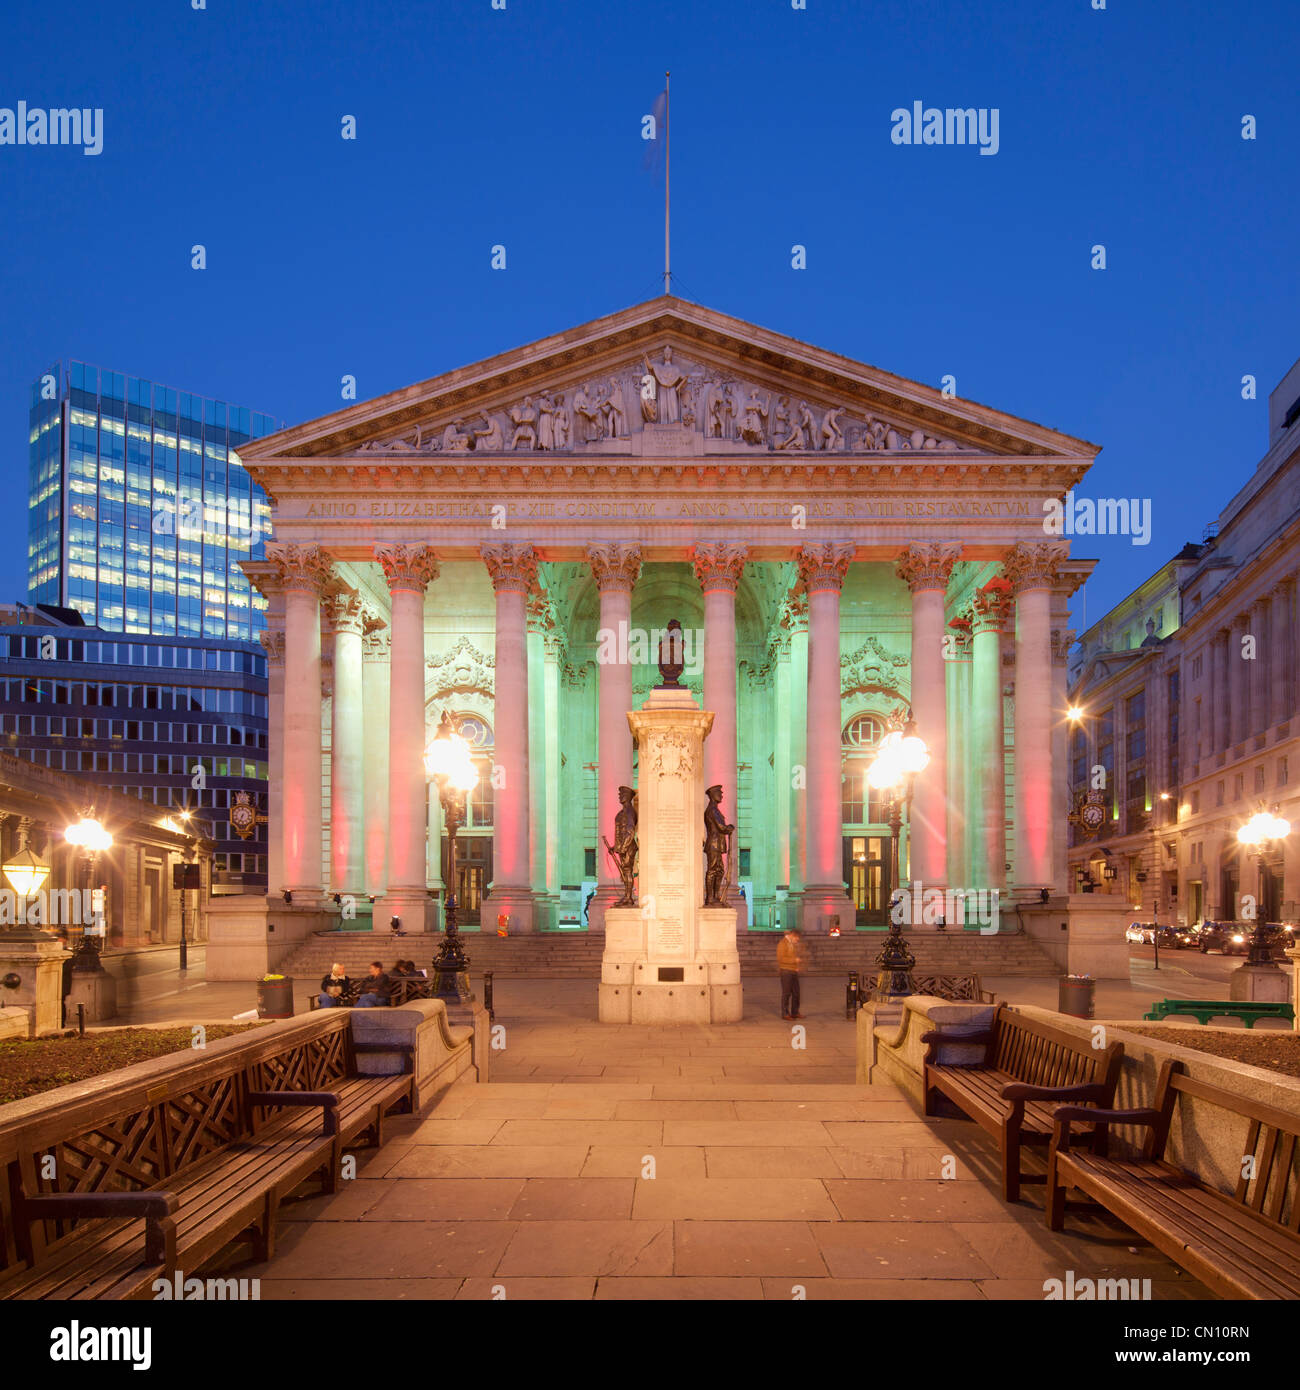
{"points": [[866, 871], [473, 874]]}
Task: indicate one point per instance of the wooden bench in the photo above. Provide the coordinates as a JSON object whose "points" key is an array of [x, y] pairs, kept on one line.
{"points": [[162, 1173], [1242, 1244], [1203, 1010], [402, 990], [957, 989], [1028, 1069]]}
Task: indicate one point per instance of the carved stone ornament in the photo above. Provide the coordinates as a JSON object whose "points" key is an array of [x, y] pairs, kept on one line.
{"points": [[928, 566], [989, 611], [660, 391], [300, 567], [376, 645], [460, 670], [615, 565], [1035, 566], [824, 566], [510, 566], [719, 564], [345, 613], [870, 668], [272, 640], [671, 756], [407, 566]]}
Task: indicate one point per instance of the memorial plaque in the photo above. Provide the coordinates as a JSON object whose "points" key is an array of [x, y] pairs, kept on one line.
{"points": [[672, 974]]}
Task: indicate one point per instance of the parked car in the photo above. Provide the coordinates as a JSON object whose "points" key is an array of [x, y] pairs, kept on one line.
{"points": [[1137, 933], [1232, 938], [1171, 937]]}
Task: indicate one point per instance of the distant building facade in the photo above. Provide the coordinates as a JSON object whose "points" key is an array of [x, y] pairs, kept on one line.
{"points": [[1187, 709], [139, 511], [179, 724]]}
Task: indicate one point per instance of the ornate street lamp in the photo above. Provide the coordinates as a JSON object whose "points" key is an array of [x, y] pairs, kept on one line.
{"points": [[92, 839], [1260, 833], [900, 756], [26, 873], [448, 762]]}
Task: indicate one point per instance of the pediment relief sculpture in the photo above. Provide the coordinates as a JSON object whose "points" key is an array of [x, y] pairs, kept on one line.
{"points": [[663, 392], [871, 667]]}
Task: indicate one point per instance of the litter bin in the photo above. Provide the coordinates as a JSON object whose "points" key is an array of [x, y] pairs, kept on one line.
{"points": [[1076, 995], [275, 997]]}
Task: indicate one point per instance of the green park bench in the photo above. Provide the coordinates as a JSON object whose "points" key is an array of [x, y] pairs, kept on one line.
{"points": [[1203, 1010]]}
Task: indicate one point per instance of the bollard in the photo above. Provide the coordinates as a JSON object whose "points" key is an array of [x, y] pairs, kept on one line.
{"points": [[852, 997], [487, 995], [81, 1020]]}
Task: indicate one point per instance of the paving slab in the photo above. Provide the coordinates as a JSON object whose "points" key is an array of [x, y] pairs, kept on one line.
{"points": [[586, 1199], [518, 1290], [747, 1248], [589, 1247], [623, 1161], [734, 1199], [898, 1250]]}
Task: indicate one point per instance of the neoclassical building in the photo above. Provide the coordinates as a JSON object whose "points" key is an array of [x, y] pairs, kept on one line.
{"points": [[507, 541], [1187, 699]]}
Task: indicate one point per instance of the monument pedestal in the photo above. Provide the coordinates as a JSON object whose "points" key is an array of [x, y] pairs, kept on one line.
{"points": [[1260, 984], [37, 959], [669, 960]]}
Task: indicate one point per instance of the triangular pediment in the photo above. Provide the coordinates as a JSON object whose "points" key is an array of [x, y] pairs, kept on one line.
{"points": [[665, 379]]}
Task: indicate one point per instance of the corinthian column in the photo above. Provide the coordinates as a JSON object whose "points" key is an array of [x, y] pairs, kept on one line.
{"points": [[988, 792], [616, 568], [345, 619], [273, 642], [1033, 570], [925, 569], [513, 569], [374, 696], [409, 569], [821, 572], [719, 566], [302, 572]]}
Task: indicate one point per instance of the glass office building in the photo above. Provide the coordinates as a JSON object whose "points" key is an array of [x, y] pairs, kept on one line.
{"points": [[179, 723], [139, 510]]}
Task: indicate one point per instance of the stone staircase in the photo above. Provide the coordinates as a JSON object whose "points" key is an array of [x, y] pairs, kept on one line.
{"points": [[570, 955]]}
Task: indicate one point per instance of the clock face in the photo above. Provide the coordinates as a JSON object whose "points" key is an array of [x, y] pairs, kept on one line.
{"points": [[1092, 815]]}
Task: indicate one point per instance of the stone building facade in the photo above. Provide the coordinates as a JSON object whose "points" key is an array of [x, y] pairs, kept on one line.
{"points": [[1188, 696]]}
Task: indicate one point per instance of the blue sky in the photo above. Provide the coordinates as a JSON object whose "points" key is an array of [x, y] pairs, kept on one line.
{"points": [[522, 127]]}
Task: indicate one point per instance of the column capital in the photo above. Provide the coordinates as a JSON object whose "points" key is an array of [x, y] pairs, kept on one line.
{"points": [[409, 567], [615, 565], [300, 568], [928, 566], [988, 610], [960, 631], [719, 564], [1035, 566], [510, 566], [344, 613], [1062, 641], [272, 640], [794, 614], [823, 566], [376, 644]]}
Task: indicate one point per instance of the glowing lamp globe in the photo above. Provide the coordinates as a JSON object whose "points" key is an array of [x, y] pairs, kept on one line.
{"points": [[26, 873]]}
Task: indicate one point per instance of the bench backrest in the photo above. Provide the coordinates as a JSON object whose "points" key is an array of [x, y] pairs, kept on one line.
{"points": [[1042, 1055], [132, 1135], [954, 988], [1267, 1182]]}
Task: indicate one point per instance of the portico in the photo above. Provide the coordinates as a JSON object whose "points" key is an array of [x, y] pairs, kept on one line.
{"points": [[826, 576]]}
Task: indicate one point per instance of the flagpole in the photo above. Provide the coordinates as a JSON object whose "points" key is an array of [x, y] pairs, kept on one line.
{"points": [[667, 137]]}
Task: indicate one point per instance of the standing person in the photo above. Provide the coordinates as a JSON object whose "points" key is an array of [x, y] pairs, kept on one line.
{"points": [[375, 988], [791, 960], [334, 986]]}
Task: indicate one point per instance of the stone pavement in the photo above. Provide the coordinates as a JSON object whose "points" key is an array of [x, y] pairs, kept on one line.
{"points": [[627, 1162]]}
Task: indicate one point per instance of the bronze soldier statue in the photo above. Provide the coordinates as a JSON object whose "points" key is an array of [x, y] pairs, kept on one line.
{"points": [[623, 850], [717, 847], [672, 656]]}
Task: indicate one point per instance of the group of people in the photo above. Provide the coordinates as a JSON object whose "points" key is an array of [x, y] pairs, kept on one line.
{"points": [[375, 988]]}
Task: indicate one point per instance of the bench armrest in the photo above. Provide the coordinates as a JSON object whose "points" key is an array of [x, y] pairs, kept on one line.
{"points": [[328, 1099], [157, 1208], [1022, 1090], [1077, 1114]]}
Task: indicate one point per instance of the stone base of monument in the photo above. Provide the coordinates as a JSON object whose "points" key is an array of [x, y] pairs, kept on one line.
{"points": [[37, 960], [1260, 984], [637, 989]]}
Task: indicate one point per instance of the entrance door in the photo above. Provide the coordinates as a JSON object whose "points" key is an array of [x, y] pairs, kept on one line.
{"points": [[473, 873], [866, 871]]}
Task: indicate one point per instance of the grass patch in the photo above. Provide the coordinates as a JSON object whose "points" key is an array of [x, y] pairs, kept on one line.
{"points": [[30, 1066], [1274, 1049]]}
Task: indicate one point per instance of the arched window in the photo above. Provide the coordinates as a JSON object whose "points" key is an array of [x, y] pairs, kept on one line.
{"points": [[860, 804], [477, 732]]}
